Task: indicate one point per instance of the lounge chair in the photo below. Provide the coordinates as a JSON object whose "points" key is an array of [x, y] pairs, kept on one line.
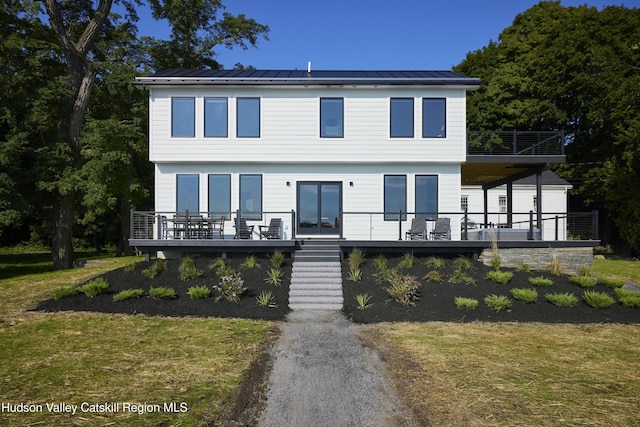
{"points": [[243, 231], [273, 230], [441, 230], [418, 230]]}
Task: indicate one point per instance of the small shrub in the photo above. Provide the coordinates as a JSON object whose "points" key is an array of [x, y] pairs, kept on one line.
{"points": [[231, 288], [188, 270], [199, 292], [597, 299], [466, 303], [274, 277], [556, 266], [364, 301], [435, 262], [221, 268], [611, 283], [130, 267], [355, 275], [462, 263], [584, 281], [497, 303], [162, 292], [528, 296], [128, 294], [496, 261], [266, 299], [562, 299], [406, 261], [277, 258], [459, 277], [524, 267], [356, 259], [585, 270], [540, 281], [381, 263], [502, 277], [66, 292], [156, 268], [383, 276], [433, 276], [630, 299], [403, 288], [250, 262], [95, 287], [217, 263]]}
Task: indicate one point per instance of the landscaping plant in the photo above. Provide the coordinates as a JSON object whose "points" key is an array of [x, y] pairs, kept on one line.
{"points": [[128, 294], [356, 259], [250, 262], [630, 299], [459, 277], [380, 261], [466, 303], [277, 258], [528, 296], [231, 288], [162, 292], [597, 299], [564, 299], [199, 292], [584, 281], [66, 292], [406, 261], [462, 263], [433, 276], [435, 262], [94, 287], [403, 288], [156, 268], [611, 283], [364, 301], [540, 281], [497, 303], [274, 277], [355, 275], [556, 266], [188, 270], [266, 299], [502, 277]]}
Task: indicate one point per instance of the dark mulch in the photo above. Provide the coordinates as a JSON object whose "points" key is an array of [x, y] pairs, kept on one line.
{"points": [[436, 302], [183, 305]]}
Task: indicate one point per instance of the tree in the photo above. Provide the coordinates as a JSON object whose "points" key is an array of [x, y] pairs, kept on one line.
{"points": [[576, 69]]}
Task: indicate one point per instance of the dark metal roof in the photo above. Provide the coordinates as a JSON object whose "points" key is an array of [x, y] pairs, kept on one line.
{"points": [[302, 77], [548, 178]]}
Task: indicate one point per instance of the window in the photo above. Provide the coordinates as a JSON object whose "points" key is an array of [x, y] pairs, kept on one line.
{"points": [[220, 195], [464, 203], [331, 117], [395, 196], [188, 193], [251, 196], [401, 117], [248, 117], [427, 196], [434, 123], [215, 117], [183, 117], [502, 203]]}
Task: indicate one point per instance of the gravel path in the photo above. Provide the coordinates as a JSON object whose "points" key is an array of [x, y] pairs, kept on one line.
{"points": [[323, 376]]}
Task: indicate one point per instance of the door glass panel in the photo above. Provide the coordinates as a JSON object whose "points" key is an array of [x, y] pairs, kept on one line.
{"points": [[308, 201], [330, 206]]}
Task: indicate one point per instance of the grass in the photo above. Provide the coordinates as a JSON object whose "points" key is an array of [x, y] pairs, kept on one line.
{"points": [[467, 374], [89, 357], [629, 271]]}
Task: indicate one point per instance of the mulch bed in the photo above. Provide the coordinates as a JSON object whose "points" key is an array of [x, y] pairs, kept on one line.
{"points": [[436, 302]]}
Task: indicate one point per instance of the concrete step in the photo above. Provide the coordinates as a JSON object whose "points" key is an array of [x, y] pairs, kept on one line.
{"points": [[310, 266], [325, 293], [316, 258], [306, 299], [318, 274], [317, 285], [313, 306]]}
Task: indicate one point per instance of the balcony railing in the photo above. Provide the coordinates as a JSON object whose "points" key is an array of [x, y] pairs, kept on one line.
{"points": [[515, 143]]}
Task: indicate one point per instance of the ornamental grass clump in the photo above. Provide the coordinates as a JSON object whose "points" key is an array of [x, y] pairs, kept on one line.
{"points": [[564, 299], [584, 281], [221, 268], [274, 277], [266, 299], [403, 288], [462, 263], [527, 296], [363, 301], [128, 294], [611, 283], [231, 288], [406, 261], [277, 258], [540, 281], [502, 277], [466, 303], [95, 287], [199, 292], [162, 292], [355, 275], [380, 263], [630, 299], [433, 276], [156, 268], [356, 259], [597, 299], [66, 292], [188, 270], [459, 277], [250, 262], [497, 303], [435, 262]]}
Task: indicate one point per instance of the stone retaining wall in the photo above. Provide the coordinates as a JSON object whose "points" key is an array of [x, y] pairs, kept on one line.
{"points": [[540, 259]]}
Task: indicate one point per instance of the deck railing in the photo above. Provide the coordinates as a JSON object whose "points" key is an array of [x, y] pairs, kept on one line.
{"points": [[515, 143]]}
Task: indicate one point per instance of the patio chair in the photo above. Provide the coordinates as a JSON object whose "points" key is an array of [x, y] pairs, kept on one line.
{"points": [[215, 228], [418, 230], [442, 229], [243, 231], [273, 230]]}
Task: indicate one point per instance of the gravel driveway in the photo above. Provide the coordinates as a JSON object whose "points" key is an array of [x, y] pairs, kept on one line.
{"points": [[323, 376]]}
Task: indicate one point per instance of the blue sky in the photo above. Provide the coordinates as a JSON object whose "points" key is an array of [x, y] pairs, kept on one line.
{"points": [[370, 34]]}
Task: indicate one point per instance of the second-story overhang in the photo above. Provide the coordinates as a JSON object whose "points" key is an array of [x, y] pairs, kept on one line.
{"points": [[497, 170]]}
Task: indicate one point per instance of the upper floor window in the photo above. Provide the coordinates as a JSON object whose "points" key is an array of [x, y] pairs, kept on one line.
{"points": [[331, 117], [401, 117], [434, 118], [183, 117], [248, 117], [216, 117]]}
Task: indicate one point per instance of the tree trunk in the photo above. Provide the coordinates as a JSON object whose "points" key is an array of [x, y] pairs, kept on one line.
{"points": [[123, 241], [62, 248]]}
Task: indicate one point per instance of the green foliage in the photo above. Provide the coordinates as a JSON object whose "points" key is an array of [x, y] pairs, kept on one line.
{"points": [[188, 270], [66, 292], [540, 281], [433, 276], [356, 259], [459, 277], [611, 283], [496, 261], [364, 301], [380, 261], [221, 268], [277, 258], [406, 261], [502, 277], [250, 262], [466, 303], [629, 299], [155, 269], [162, 292], [528, 296], [585, 270], [274, 277], [403, 288], [435, 262], [597, 299], [130, 268], [128, 294], [266, 299], [584, 281], [556, 268], [231, 288], [355, 275], [524, 267], [462, 263], [199, 292], [95, 287], [497, 303], [565, 299]]}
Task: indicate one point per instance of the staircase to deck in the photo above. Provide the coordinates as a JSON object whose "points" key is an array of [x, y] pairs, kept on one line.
{"points": [[316, 279]]}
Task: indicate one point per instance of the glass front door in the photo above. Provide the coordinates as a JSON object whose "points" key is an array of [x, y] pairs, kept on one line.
{"points": [[319, 206]]}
